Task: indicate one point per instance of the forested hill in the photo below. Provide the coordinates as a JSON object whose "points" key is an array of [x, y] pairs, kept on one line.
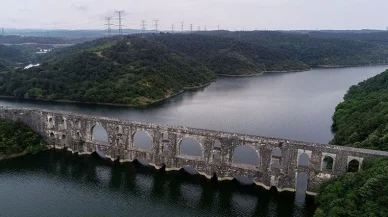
{"points": [[131, 71], [324, 51], [362, 119], [230, 56], [8, 57]]}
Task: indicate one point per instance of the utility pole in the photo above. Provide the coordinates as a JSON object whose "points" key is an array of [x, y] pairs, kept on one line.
{"points": [[218, 27], [2, 31], [143, 25], [191, 27], [205, 28], [120, 13], [156, 25], [182, 26], [172, 28], [109, 24]]}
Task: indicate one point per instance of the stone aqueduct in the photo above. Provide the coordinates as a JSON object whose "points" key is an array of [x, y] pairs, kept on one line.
{"points": [[75, 132]]}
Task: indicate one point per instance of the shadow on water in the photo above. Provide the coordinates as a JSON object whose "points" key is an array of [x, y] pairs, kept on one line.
{"points": [[131, 184]]}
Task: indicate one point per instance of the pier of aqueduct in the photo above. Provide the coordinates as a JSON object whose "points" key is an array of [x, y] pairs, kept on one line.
{"points": [[279, 164]]}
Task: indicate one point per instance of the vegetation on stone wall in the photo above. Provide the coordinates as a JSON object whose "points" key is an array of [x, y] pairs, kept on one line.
{"points": [[16, 137]]}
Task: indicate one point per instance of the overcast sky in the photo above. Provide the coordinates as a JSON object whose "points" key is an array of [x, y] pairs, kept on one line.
{"points": [[229, 14]]}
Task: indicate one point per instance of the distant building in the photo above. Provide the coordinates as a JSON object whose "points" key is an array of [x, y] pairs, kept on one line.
{"points": [[43, 51]]}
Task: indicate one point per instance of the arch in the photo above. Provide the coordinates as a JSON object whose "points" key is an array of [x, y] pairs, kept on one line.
{"points": [[191, 147], [275, 165], [216, 156], [304, 160], [302, 181], [165, 148], [190, 170], [217, 144], [277, 152], [50, 120], [99, 134], [353, 166], [52, 135], [246, 154], [142, 140], [141, 162], [327, 163], [244, 180], [165, 137]]}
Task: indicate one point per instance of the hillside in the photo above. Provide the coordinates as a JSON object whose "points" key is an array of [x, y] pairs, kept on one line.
{"points": [[356, 194], [228, 56], [131, 71], [316, 51], [362, 119]]}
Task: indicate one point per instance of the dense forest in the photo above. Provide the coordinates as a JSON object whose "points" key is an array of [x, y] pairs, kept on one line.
{"points": [[356, 194], [16, 137], [131, 70], [316, 51], [377, 37], [229, 56], [142, 69], [362, 119]]}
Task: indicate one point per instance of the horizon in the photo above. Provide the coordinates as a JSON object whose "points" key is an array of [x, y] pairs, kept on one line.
{"points": [[280, 15]]}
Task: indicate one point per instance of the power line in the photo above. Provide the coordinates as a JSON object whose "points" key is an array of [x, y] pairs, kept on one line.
{"points": [[120, 13], [109, 24], [182, 26], [143, 25], [156, 25]]}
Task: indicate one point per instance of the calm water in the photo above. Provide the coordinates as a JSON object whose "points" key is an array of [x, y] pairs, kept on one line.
{"points": [[286, 105], [60, 184]]}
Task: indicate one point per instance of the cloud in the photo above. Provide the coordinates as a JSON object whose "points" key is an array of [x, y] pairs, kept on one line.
{"points": [[80, 7]]}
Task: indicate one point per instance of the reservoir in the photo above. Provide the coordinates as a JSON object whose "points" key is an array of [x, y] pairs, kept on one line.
{"points": [[296, 106]]}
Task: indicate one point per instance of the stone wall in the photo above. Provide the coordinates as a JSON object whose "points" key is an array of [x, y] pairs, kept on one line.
{"points": [[279, 158]]}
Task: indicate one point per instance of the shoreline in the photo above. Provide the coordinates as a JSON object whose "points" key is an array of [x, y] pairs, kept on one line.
{"points": [[348, 66], [187, 88], [263, 73], [111, 104], [11, 156]]}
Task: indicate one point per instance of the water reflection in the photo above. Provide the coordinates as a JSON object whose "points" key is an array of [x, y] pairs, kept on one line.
{"points": [[99, 187]]}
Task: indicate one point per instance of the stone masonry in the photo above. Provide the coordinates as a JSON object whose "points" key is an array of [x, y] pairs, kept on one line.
{"points": [[279, 170]]}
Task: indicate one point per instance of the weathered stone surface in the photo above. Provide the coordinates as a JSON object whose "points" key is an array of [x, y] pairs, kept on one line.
{"points": [[280, 170]]}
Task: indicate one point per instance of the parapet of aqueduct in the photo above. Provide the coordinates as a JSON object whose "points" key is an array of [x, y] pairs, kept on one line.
{"points": [[279, 159]]}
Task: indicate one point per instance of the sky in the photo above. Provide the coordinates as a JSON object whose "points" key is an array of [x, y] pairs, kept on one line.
{"points": [[228, 14]]}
